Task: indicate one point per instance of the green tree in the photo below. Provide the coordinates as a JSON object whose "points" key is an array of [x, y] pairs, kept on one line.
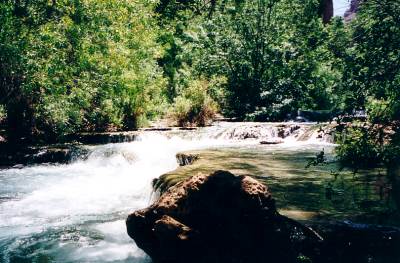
{"points": [[273, 55], [371, 80], [372, 61], [77, 65]]}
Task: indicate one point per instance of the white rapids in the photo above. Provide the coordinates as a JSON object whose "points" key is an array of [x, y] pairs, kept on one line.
{"points": [[76, 212]]}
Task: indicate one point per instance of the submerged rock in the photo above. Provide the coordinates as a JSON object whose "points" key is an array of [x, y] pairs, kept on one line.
{"points": [[219, 218], [20, 156], [57, 154], [184, 159], [269, 142], [103, 137]]}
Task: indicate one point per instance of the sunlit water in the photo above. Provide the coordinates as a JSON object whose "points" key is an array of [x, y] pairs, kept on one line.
{"points": [[76, 212]]}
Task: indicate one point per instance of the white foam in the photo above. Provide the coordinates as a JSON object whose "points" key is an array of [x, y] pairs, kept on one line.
{"points": [[114, 180]]}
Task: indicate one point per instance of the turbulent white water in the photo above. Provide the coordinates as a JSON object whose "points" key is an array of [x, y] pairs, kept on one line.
{"points": [[76, 212]]}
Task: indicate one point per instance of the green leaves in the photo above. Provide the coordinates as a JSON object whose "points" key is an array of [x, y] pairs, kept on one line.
{"points": [[87, 65], [194, 106], [373, 61], [75, 65], [371, 81], [270, 52]]}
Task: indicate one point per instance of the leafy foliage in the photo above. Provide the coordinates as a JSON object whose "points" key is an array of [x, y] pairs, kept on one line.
{"points": [[368, 146], [194, 105], [359, 149], [79, 65], [84, 65], [272, 54], [371, 74], [370, 64]]}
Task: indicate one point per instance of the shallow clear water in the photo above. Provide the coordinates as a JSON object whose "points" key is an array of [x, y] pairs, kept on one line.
{"points": [[76, 212]]}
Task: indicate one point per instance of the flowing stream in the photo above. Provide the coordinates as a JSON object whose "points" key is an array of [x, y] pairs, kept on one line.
{"points": [[76, 212]]}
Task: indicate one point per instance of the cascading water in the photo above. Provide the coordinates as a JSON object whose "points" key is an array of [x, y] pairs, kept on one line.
{"points": [[76, 212]]}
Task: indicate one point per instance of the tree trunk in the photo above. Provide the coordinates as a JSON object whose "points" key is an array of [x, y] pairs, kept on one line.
{"points": [[327, 10]]}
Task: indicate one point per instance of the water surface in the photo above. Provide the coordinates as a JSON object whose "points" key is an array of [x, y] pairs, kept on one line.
{"points": [[76, 212]]}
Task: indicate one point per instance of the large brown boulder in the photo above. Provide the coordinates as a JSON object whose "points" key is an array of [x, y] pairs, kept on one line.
{"points": [[218, 218]]}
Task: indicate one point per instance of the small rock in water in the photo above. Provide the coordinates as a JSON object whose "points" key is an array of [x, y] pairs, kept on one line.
{"points": [[269, 142], [184, 159], [188, 128]]}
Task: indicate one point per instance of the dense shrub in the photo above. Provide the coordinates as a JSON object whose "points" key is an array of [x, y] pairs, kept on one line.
{"points": [[194, 106], [371, 79], [370, 145], [383, 111], [85, 65], [359, 148], [70, 66], [273, 54]]}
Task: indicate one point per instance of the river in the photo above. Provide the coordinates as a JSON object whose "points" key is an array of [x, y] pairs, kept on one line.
{"points": [[76, 212]]}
